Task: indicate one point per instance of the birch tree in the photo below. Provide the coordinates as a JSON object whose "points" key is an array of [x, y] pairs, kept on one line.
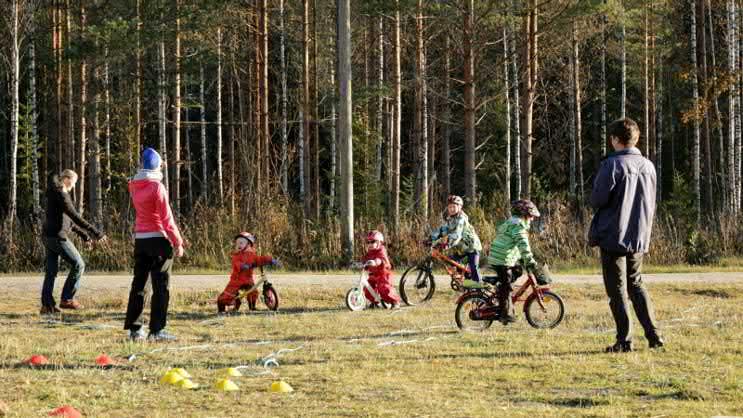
{"points": [[284, 167], [34, 128], [507, 88], [695, 94], [397, 124], [344, 127], [202, 125], [176, 186], [732, 104]]}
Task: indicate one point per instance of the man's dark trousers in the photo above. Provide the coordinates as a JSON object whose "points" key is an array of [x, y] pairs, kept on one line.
{"points": [[622, 277]]}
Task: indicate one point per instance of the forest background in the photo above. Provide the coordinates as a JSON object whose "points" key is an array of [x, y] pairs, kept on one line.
{"points": [[254, 103]]}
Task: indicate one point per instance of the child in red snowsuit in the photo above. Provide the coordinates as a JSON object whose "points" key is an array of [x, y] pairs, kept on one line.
{"points": [[244, 259], [379, 267]]}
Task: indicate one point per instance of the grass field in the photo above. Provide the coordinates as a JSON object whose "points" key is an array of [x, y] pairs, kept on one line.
{"points": [[411, 362]]}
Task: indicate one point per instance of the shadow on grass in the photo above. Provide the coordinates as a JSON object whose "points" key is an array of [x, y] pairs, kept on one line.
{"points": [[19, 366], [399, 334], [516, 354]]}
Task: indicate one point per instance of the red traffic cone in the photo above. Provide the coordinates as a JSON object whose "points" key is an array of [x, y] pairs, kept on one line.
{"points": [[104, 360], [66, 412], [36, 360]]}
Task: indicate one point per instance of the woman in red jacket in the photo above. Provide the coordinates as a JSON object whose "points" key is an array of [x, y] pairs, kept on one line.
{"points": [[156, 240], [377, 263], [244, 260]]}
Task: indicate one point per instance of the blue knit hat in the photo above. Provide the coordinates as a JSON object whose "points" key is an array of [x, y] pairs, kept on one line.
{"points": [[150, 159]]}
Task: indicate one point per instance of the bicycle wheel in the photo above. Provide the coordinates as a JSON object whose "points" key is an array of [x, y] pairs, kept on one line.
{"points": [[270, 298], [550, 316], [463, 314], [355, 299], [416, 285]]}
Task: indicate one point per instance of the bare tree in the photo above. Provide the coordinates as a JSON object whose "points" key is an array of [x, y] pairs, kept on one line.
{"points": [[82, 154], [34, 128], [284, 167], [732, 35], [695, 94], [344, 126], [507, 88], [176, 186], [530, 59], [397, 125], [470, 178]]}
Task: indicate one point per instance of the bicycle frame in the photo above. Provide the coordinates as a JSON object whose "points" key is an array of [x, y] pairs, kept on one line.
{"points": [[454, 269], [245, 292], [516, 296], [364, 284]]}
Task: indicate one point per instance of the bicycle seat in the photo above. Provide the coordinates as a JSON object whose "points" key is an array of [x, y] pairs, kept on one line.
{"points": [[491, 279], [471, 284]]}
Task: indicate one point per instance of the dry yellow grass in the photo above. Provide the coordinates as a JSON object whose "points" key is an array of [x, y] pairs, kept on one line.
{"points": [[411, 362]]}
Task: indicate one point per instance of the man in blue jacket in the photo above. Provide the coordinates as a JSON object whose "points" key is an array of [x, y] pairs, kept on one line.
{"points": [[623, 196]]}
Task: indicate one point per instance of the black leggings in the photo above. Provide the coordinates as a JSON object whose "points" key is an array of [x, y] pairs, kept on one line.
{"points": [[153, 257]]}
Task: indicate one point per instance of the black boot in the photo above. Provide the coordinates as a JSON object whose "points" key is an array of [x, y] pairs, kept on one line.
{"points": [[620, 347]]}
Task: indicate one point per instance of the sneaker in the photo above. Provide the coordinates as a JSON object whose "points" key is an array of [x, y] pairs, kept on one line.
{"points": [[656, 343], [137, 336], [49, 310], [620, 347], [70, 304], [161, 335]]}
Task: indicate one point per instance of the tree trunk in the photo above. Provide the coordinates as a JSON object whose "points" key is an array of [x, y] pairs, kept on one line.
{"points": [[704, 82], [57, 46], [380, 100], [578, 117], [138, 93], [307, 157], [722, 169], [646, 90], [95, 153], [604, 139], [107, 120], [530, 37], [177, 113], [507, 88], [83, 122], [516, 77], [421, 134], [265, 92], [623, 64], [333, 138], [397, 125], [220, 179], [302, 158], [187, 146], [284, 167], [202, 124], [233, 138], [344, 127], [695, 94], [470, 180], [446, 139], [161, 110], [34, 129], [70, 160], [659, 134], [316, 199], [733, 115]]}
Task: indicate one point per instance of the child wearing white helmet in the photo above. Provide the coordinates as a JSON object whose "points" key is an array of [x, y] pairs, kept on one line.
{"points": [[459, 236], [244, 260]]}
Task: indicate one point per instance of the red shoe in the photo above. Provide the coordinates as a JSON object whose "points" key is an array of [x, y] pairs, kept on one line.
{"points": [[70, 304], [49, 310]]}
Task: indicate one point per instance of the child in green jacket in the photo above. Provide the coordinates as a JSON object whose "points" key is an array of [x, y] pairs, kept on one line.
{"points": [[510, 245], [458, 236]]}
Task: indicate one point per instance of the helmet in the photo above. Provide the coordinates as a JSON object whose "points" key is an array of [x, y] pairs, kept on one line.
{"points": [[455, 199], [374, 236], [524, 207], [246, 235]]}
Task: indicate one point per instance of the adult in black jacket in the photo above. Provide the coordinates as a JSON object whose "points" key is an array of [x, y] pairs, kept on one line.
{"points": [[61, 219]]}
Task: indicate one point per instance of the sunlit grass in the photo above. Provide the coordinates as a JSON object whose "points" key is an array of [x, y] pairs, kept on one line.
{"points": [[412, 362]]}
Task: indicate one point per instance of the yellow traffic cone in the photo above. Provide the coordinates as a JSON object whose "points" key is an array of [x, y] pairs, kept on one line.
{"points": [[181, 372], [187, 384], [171, 378], [231, 372], [226, 385], [281, 387]]}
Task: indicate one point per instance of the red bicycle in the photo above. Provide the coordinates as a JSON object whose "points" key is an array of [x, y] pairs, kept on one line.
{"points": [[478, 307]]}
